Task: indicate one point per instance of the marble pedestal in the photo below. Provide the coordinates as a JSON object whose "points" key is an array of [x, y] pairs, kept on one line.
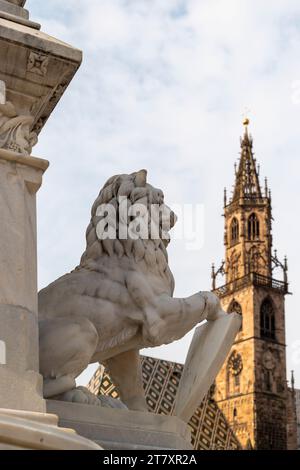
{"points": [[38, 431], [35, 70], [115, 429]]}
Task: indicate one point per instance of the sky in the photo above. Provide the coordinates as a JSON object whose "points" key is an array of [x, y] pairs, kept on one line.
{"points": [[164, 85]]}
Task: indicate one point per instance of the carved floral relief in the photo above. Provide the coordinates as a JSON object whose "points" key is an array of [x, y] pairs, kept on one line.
{"points": [[15, 130], [37, 63]]}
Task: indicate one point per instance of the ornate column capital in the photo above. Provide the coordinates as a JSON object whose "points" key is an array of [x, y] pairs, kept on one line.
{"points": [[44, 67]]}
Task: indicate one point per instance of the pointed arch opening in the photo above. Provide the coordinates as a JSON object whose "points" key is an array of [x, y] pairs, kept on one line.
{"points": [[234, 231], [236, 307], [253, 227], [267, 319]]}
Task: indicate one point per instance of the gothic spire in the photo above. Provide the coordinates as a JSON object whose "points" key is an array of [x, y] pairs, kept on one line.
{"points": [[247, 180]]}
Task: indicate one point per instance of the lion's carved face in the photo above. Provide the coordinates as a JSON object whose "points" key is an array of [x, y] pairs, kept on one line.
{"points": [[129, 218]]}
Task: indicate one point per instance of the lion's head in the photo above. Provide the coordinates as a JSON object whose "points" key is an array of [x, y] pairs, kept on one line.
{"points": [[129, 218]]}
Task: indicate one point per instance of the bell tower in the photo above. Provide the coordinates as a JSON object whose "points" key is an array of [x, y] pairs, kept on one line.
{"points": [[251, 387]]}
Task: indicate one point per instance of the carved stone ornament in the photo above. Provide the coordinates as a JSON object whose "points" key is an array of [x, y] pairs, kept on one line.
{"points": [[37, 63], [235, 363], [15, 130], [269, 361]]}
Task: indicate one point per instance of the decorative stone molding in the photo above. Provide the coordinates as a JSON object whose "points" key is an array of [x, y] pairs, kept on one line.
{"points": [[31, 162], [52, 100], [48, 63], [37, 63], [39, 125], [15, 130]]}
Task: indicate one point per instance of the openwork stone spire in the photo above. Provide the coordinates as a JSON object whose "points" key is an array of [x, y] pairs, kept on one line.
{"points": [[248, 228], [247, 180]]}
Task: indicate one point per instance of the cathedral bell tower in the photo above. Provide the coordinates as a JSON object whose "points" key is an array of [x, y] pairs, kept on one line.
{"points": [[251, 387]]}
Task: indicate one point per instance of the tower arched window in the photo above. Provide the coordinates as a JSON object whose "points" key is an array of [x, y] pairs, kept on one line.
{"points": [[235, 307], [253, 227], [234, 231], [267, 320]]}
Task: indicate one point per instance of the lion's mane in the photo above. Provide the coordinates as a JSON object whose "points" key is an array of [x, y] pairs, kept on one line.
{"points": [[152, 252]]}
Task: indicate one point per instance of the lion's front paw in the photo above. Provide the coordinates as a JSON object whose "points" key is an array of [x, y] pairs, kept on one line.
{"points": [[83, 396], [80, 395], [213, 309]]}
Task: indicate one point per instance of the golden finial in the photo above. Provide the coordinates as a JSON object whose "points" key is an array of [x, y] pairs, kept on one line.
{"points": [[246, 120], [246, 140]]}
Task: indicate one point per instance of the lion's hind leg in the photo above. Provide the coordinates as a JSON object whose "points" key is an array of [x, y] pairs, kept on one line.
{"points": [[66, 348], [126, 372]]}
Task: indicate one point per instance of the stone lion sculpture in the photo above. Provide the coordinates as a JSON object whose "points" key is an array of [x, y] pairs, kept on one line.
{"points": [[117, 301]]}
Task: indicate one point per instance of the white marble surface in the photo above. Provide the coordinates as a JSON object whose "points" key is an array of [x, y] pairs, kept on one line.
{"points": [[38, 431], [123, 429]]}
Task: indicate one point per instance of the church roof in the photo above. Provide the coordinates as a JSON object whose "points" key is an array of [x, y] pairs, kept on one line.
{"points": [[210, 429]]}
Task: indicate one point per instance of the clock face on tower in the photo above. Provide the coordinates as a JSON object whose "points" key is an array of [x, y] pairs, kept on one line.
{"points": [[235, 363], [269, 360]]}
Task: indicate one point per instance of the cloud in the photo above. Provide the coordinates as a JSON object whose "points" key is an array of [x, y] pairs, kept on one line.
{"points": [[164, 85]]}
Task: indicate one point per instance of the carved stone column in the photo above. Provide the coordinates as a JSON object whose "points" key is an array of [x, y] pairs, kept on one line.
{"points": [[35, 70], [20, 382]]}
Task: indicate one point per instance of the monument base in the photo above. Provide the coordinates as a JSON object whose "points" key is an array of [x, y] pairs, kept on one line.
{"points": [[115, 429], [21, 385], [38, 431]]}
